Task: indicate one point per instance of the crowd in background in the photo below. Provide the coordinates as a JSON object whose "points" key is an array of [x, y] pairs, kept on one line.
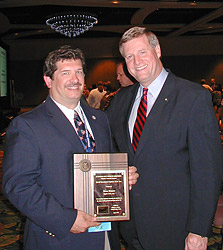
{"points": [[217, 98], [101, 94]]}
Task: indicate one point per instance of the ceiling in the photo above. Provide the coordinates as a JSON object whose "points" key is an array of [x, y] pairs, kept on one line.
{"points": [[25, 19]]}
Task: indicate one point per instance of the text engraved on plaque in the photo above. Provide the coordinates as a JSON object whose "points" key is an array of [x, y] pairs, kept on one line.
{"points": [[109, 196]]}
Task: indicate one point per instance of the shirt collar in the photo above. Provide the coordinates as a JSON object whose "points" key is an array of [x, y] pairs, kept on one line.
{"points": [[68, 112], [155, 87]]}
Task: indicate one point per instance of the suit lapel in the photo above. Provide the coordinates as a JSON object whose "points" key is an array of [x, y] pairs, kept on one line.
{"points": [[159, 109], [129, 102], [59, 121]]}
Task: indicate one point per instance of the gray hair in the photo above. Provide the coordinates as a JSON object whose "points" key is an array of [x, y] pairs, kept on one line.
{"points": [[135, 32]]}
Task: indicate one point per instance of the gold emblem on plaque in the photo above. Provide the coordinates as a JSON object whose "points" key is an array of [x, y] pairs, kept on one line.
{"points": [[85, 165]]}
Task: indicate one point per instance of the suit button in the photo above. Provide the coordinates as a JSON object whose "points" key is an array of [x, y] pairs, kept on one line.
{"points": [[47, 232]]}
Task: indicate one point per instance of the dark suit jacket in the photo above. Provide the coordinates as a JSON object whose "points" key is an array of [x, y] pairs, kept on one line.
{"points": [[179, 160], [38, 175]]}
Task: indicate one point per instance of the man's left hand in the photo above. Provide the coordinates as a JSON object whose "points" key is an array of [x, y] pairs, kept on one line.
{"points": [[196, 242], [133, 176]]}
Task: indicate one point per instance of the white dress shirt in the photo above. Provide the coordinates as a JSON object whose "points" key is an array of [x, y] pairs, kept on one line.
{"points": [[69, 113], [154, 89]]}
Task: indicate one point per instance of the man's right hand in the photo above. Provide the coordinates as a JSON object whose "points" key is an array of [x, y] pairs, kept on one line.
{"points": [[83, 222]]}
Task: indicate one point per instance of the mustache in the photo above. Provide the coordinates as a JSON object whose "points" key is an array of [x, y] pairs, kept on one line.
{"points": [[72, 84]]}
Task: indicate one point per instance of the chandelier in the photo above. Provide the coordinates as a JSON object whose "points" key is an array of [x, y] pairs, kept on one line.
{"points": [[71, 24]]}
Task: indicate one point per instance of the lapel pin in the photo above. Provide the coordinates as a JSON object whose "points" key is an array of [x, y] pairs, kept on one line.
{"points": [[166, 99], [93, 117]]}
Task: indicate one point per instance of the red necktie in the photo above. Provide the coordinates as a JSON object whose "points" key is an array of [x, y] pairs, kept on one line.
{"points": [[140, 119]]}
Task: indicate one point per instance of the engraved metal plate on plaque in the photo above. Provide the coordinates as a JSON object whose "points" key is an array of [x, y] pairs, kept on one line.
{"points": [[101, 185]]}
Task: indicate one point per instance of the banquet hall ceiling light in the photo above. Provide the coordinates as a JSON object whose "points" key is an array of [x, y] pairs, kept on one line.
{"points": [[72, 24]]}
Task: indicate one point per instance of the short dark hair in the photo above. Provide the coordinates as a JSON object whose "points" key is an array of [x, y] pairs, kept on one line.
{"points": [[65, 52]]}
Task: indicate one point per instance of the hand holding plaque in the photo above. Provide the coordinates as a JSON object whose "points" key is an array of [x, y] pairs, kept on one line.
{"points": [[101, 185]]}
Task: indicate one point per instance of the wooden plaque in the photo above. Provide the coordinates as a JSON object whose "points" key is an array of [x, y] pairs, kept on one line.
{"points": [[101, 185]]}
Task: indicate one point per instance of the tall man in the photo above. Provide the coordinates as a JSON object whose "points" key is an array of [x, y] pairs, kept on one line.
{"points": [[177, 151], [37, 163]]}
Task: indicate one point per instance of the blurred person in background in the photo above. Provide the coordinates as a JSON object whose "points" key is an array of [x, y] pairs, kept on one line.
{"points": [[108, 97], [123, 76], [215, 86], [96, 95]]}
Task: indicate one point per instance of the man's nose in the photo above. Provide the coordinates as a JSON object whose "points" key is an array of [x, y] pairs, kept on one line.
{"points": [[137, 59], [75, 77]]}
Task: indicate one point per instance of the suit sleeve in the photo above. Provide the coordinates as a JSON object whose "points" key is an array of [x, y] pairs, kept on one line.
{"points": [[22, 181], [206, 167]]}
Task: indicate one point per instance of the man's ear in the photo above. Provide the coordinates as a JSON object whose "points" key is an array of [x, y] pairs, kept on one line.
{"points": [[158, 50], [48, 81]]}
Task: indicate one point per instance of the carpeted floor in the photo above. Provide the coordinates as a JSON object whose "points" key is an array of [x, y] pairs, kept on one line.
{"points": [[12, 224]]}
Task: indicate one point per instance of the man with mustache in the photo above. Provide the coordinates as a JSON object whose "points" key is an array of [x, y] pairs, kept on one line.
{"points": [[168, 127], [37, 163]]}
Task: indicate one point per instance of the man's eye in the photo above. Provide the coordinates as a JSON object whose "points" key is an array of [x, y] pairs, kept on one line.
{"points": [[79, 72], [65, 73], [128, 57]]}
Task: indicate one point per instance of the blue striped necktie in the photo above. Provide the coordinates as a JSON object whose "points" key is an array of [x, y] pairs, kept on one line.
{"points": [[140, 120], [84, 135]]}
